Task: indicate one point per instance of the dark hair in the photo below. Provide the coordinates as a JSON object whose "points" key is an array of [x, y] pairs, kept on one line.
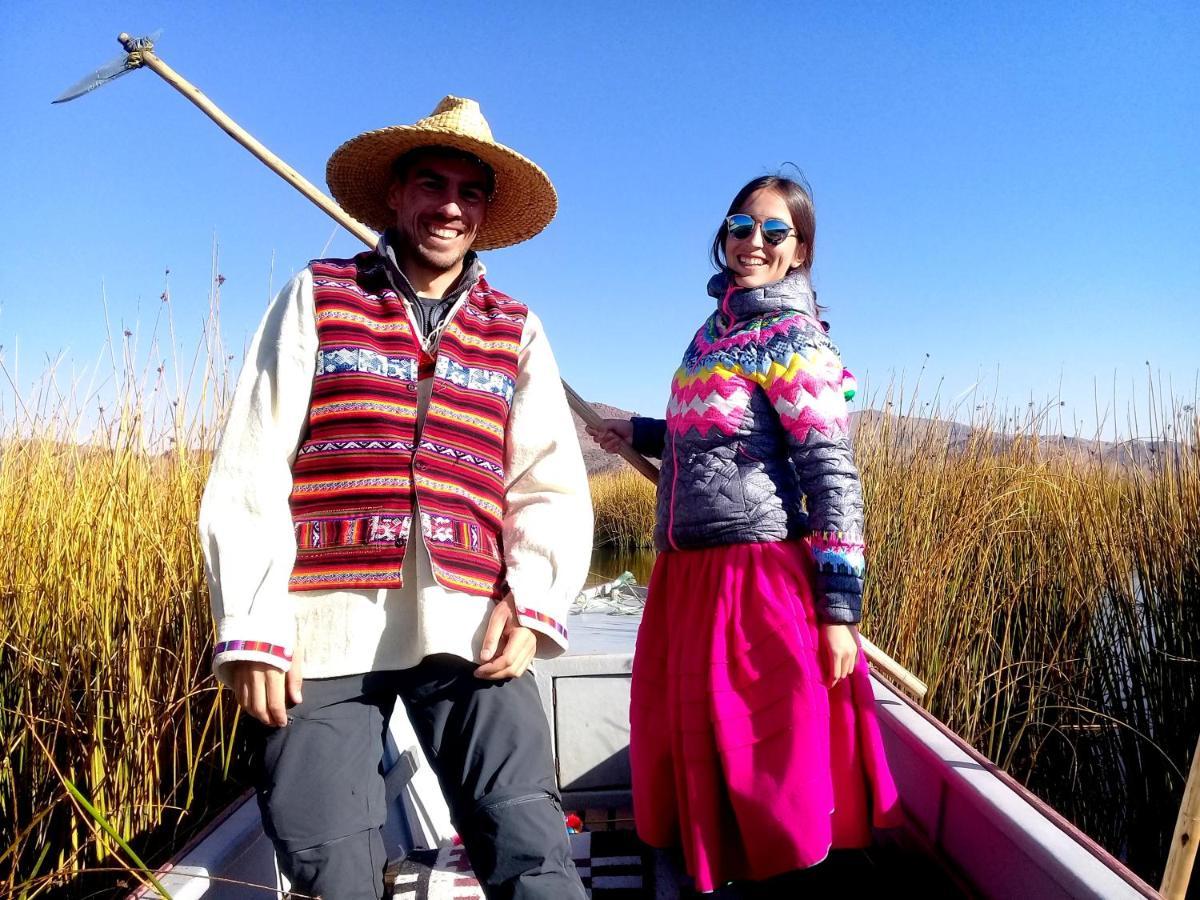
{"points": [[797, 196], [405, 161]]}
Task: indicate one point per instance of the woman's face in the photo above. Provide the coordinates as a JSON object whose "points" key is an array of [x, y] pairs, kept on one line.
{"points": [[752, 261]]}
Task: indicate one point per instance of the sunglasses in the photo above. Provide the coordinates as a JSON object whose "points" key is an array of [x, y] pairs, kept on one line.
{"points": [[774, 231]]}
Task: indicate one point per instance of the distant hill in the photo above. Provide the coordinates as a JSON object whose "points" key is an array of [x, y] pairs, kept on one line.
{"points": [[595, 459], [1130, 453], [1134, 453]]}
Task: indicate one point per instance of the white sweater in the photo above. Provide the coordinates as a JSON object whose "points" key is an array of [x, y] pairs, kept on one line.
{"points": [[249, 542]]}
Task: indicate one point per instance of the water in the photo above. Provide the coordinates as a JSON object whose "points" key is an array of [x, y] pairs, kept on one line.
{"points": [[607, 564]]}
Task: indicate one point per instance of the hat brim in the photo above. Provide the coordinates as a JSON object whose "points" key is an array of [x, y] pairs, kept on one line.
{"points": [[359, 174]]}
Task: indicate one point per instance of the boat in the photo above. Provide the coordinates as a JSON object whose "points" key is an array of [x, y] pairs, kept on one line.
{"points": [[969, 829]]}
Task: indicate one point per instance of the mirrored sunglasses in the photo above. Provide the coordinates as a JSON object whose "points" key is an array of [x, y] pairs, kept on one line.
{"points": [[774, 231]]}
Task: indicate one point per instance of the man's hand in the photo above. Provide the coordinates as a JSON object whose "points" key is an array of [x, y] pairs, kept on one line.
{"points": [[839, 651], [264, 691], [516, 644]]}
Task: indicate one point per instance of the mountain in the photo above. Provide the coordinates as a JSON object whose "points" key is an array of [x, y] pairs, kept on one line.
{"points": [[1133, 453], [595, 459]]}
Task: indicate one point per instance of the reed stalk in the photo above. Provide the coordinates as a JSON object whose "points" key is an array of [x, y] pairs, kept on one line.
{"points": [[1046, 588], [1048, 593], [114, 735], [623, 504]]}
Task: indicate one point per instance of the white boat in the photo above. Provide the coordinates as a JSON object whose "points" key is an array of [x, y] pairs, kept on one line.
{"points": [[970, 830]]}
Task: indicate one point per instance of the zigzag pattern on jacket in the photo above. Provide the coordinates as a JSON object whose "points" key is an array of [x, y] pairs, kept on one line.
{"points": [[837, 553], [787, 355]]}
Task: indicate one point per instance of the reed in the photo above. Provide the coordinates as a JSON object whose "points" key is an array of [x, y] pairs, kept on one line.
{"points": [[1050, 597], [116, 742], [623, 504], [1047, 590], [1049, 593]]}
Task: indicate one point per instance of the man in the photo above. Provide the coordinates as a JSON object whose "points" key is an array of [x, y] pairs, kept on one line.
{"points": [[399, 497]]}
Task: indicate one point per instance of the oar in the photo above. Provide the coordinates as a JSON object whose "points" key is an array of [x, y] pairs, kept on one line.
{"points": [[140, 52]]}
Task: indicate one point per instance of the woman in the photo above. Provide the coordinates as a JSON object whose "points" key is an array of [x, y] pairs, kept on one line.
{"points": [[754, 742]]}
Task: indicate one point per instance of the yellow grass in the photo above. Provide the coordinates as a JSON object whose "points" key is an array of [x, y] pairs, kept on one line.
{"points": [[105, 695], [623, 502], [104, 646], [1051, 602]]}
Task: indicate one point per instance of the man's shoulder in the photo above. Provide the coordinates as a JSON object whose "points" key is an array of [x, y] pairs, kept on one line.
{"points": [[491, 298], [335, 267]]}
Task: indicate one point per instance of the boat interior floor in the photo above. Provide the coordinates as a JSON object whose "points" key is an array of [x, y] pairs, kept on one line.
{"points": [[614, 865]]}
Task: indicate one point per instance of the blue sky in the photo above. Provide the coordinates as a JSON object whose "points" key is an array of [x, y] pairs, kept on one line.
{"points": [[1010, 188]]}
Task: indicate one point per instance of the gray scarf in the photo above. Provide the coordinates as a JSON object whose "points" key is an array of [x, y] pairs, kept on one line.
{"points": [[430, 312]]}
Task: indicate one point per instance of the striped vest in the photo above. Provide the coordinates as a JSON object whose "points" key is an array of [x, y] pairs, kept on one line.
{"points": [[361, 466]]}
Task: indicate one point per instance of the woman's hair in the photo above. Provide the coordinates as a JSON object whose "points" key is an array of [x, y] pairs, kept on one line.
{"points": [[798, 197]]}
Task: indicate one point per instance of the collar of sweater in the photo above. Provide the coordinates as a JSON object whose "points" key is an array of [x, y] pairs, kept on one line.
{"points": [[429, 317], [472, 270], [736, 304]]}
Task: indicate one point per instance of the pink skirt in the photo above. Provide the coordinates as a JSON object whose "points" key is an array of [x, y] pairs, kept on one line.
{"points": [[740, 752]]}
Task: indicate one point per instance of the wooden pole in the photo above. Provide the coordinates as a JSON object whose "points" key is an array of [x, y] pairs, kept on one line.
{"points": [[580, 406], [1187, 832], [894, 671], [307, 188], [589, 416], [243, 137]]}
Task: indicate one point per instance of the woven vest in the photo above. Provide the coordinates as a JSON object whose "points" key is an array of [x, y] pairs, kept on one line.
{"points": [[361, 465]]}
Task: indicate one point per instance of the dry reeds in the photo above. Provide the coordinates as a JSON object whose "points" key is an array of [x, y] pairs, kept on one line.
{"points": [[116, 742], [623, 502], [1047, 590]]}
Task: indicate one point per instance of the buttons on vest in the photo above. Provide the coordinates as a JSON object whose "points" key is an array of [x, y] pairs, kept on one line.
{"points": [[470, 420]]}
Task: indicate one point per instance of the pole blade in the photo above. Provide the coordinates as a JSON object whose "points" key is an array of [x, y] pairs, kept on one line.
{"points": [[101, 76], [110, 70]]}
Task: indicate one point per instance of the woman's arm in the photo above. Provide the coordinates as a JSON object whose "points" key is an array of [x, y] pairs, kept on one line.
{"points": [[802, 376], [646, 436]]}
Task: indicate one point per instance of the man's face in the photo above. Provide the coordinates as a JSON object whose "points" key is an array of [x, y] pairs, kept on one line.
{"points": [[440, 205]]}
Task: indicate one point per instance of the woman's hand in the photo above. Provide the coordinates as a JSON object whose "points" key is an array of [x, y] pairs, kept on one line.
{"points": [[613, 433], [839, 652]]}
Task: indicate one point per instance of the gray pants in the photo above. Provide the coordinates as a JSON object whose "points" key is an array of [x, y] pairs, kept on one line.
{"points": [[321, 789]]}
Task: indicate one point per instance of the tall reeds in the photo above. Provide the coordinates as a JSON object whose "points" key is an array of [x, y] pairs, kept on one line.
{"points": [[1048, 591], [115, 741], [623, 502]]}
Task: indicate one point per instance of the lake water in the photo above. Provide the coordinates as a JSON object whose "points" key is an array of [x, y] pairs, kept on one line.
{"points": [[607, 564]]}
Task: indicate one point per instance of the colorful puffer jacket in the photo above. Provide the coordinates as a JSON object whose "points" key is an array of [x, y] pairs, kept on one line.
{"points": [[756, 431]]}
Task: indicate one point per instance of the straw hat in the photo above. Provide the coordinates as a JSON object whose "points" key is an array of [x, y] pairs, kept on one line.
{"points": [[360, 172]]}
